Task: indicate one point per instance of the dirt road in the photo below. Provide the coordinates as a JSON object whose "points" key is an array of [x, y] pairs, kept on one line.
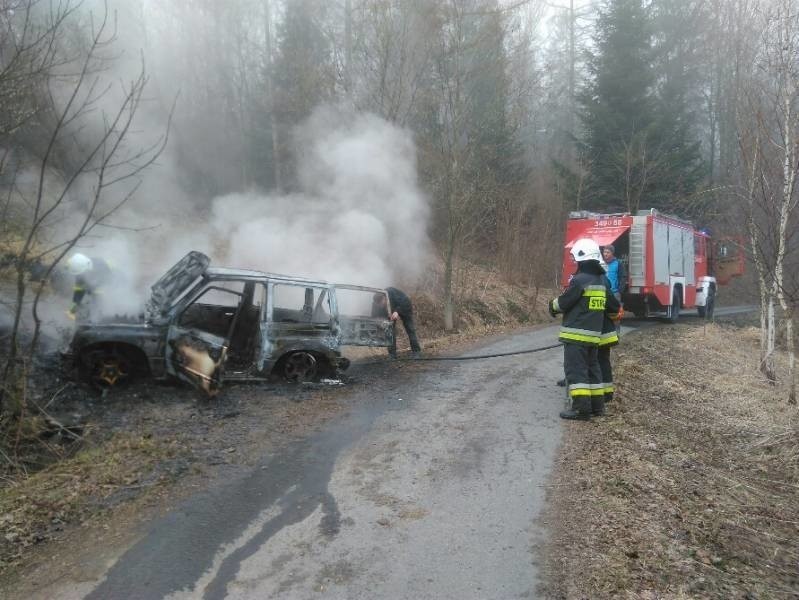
{"points": [[429, 487]]}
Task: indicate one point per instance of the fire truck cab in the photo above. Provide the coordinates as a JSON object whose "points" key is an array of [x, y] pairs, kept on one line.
{"points": [[669, 264]]}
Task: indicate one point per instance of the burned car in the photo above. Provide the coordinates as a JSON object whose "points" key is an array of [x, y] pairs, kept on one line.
{"points": [[207, 325]]}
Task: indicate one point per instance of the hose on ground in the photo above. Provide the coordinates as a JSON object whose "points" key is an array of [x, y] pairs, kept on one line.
{"points": [[473, 357]]}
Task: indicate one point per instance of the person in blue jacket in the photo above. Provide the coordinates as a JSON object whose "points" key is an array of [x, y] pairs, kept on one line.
{"points": [[614, 271]]}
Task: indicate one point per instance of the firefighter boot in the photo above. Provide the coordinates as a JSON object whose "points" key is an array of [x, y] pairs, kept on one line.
{"points": [[598, 405], [580, 410]]}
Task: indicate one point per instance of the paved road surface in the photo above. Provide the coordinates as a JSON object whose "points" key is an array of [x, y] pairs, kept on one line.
{"points": [[429, 488]]}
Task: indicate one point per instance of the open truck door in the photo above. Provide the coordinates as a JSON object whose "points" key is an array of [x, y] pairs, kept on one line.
{"points": [[361, 321], [728, 259], [199, 336]]}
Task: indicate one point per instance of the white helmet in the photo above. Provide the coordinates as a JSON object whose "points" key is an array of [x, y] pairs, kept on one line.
{"points": [[586, 249], [78, 264]]}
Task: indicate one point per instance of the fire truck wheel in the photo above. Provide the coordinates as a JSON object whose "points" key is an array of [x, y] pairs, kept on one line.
{"points": [[674, 309], [706, 311]]}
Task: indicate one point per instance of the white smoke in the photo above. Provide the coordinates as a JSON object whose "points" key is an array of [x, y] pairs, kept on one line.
{"points": [[360, 216]]}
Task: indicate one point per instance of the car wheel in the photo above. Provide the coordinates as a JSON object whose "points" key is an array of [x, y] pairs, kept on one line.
{"points": [[299, 367], [107, 368], [674, 309]]}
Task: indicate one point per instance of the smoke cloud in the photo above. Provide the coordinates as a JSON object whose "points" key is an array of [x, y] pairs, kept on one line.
{"points": [[356, 215], [359, 217]]}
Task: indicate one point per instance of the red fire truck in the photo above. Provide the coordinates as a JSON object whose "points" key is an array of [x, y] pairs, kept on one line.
{"points": [[669, 264]]}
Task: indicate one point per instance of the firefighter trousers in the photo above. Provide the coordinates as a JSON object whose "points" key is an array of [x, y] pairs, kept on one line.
{"points": [[583, 374], [606, 369]]}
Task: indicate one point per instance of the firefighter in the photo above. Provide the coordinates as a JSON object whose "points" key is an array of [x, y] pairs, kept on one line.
{"points": [[402, 310], [608, 339], [91, 274], [583, 306]]}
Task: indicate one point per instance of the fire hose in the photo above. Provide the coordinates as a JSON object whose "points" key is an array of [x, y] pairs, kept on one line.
{"points": [[471, 357]]}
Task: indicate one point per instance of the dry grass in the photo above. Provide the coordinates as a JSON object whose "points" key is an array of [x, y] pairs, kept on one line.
{"points": [[689, 488], [485, 305], [33, 509]]}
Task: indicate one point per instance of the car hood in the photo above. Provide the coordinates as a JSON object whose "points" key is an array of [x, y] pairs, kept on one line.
{"points": [[175, 282]]}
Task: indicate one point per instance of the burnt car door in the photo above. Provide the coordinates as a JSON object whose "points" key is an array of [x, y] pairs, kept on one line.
{"points": [[362, 321], [200, 333], [299, 328]]}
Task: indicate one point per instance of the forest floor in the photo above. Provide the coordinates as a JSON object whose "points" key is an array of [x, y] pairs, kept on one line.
{"points": [[687, 489]]}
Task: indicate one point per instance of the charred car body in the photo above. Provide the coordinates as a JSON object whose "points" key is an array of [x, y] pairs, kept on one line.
{"points": [[207, 325]]}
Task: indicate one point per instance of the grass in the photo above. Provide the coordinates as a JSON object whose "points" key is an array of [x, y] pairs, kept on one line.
{"points": [[36, 508], [688, 489]]}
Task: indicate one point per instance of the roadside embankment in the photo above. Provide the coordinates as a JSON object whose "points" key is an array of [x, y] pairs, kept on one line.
{"points": [[688, 488]]}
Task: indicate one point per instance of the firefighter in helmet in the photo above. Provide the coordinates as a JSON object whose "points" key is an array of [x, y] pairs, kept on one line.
{"points": [[583, 305], [90, 274]]}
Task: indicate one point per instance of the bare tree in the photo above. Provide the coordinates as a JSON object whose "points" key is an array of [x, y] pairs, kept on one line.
{"points": [[72, 98], [392, 48], [769, 134]]}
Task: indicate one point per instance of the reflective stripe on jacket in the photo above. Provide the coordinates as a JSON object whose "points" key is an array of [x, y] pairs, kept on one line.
{"points": [[584, 304]]}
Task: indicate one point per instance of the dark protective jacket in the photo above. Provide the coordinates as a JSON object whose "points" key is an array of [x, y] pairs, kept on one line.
{"points": [[584, 304], [91, 281], [400, 302]]}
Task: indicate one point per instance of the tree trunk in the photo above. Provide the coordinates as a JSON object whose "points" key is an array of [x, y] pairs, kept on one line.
{"points": [[348, 48], [787, 204], [791, 344], [270, 92], [10, 402], [449, 261], [767, 364]]}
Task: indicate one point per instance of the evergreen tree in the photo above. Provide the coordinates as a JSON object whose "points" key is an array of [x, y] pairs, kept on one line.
{"points": [[304, 72], [678, 34], [636, 143]]}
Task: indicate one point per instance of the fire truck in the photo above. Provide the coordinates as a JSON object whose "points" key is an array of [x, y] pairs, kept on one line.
{"points": [[669, 264]]}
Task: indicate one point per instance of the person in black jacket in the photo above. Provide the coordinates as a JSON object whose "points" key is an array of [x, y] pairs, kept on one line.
{"points": [[402, 309], [583, 305]]}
